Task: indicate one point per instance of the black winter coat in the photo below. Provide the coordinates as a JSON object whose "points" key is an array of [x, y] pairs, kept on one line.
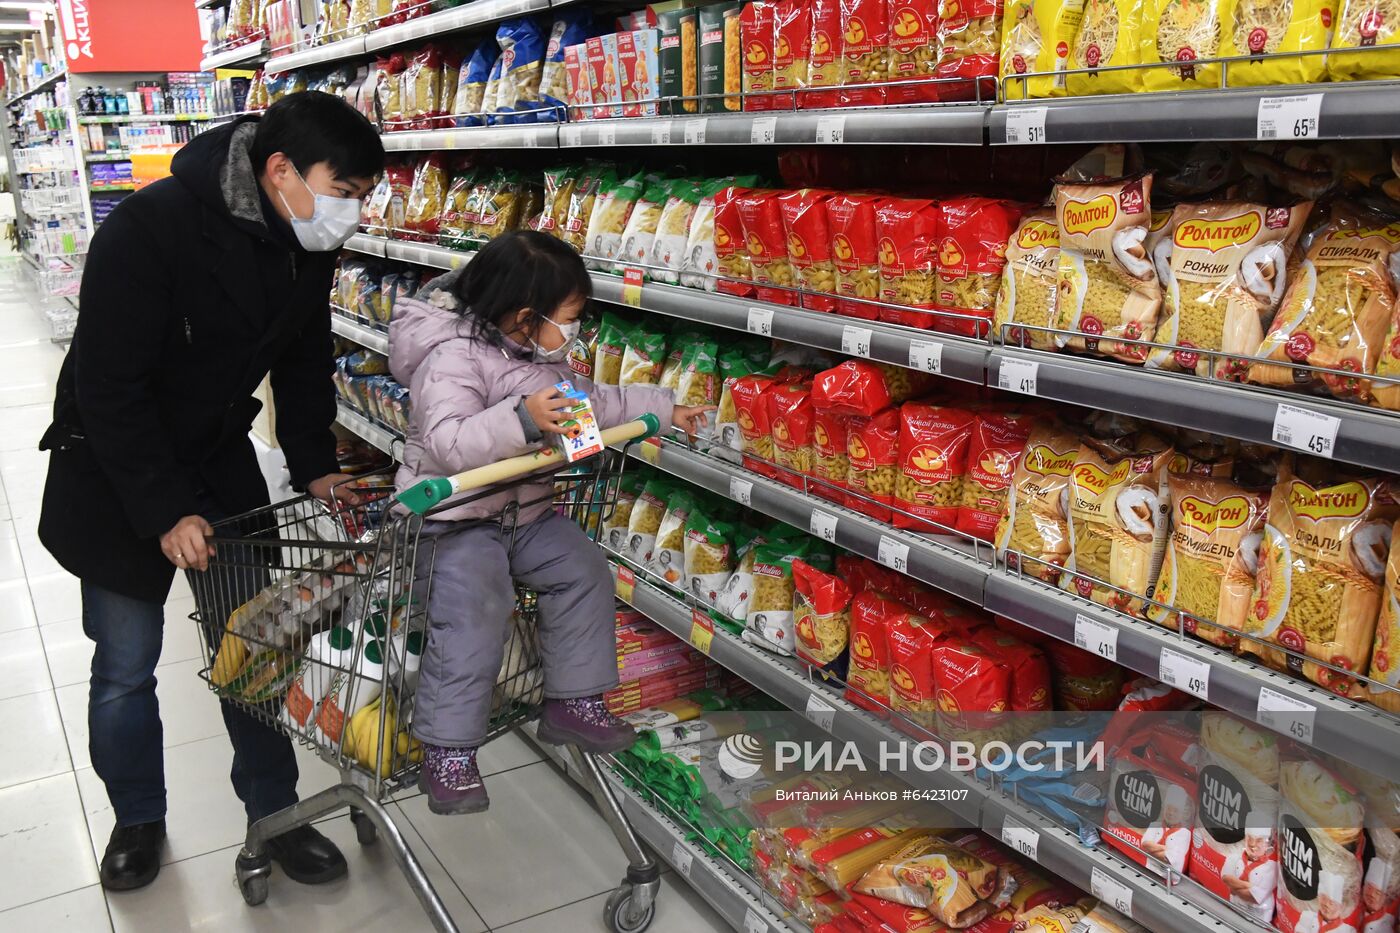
{"points": [[188, 300]]}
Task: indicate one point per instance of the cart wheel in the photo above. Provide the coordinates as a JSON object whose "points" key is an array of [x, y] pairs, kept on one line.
{"points": [[252, 874], [365, 830], [617, 912]]}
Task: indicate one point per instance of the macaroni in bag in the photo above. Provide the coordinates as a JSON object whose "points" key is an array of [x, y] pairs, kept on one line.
{"points": [[640, 232], [1109, 34], [998, 439], [758, 24], [868, 675], [1261, 28], [821, 614], [1028, 282], [913, 52], [809, 245], [668, 556], [608, 222], [668, 250], [825, 62], [756, 438], [731, 252], [972, 234], [872, 448], [1035, 39], [855, 253], [865, 52], [766, 244], [830, 461], [933, 444], [908, 230], [969, 41], [709, 556]]}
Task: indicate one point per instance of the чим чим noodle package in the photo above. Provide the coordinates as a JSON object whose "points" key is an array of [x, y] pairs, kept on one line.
{"points": [[1211, 558], [1181, 32], [1362, 24], [1028, 283], [1228, 272], [1107, 284], [790, 420], [1385, 655], [1321, 842], [809, 246], [872, 447], [1151, 813], [1036, 520], [1035, 39], [855, 252], [709, 555], [1262, 29], [1109, 34], [998, 438], [933, 443], [821, 615], [972, 234], [830, 461], [908, 249]]}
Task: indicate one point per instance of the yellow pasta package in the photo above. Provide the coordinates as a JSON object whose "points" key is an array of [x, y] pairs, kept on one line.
{"points": [[1226, 274], [1181, 31], [1262, 28], [1028, 283], [1212, 556], [1107, 284], [1036, 521], [1035, 39], [1387, 394], [1108, 36], [1385, 654], [1321, 568], [1361, 25]]}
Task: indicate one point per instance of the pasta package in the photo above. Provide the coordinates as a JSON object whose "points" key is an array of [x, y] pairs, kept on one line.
{"points": [[426, 199], [755, 428], [864, 387], [559, 186], [758, 27], [792, 49], [1263, 28], [1211, 558], [1118, 519], [914, 48], [998, 439], [1362, 24], [969, 42], [1228, 271], [821, 615], [830, 461], [932, 874], [668, 249], [766, 244], [872, 448], [1028, 290], [809, 246], [699, 378], [1182, 32], [1385, 655], [973, 690], [523, 54], [770, 621], [576, 84], [668, 555], [731, 249], [1109, 33], [1336, 310], [1321, 845], [643, 357], [1321, 568], [1035, 39], [907, 229], [1151, 811], [609, 350], [471, 84], [825, 61], [645, 521], [910, 640], [639, 235], [933, 442], [855, 253], [727, 434], [1387, 394], [1036, 521], [678, 57], [614, 530], [638, 72], [582, 201], [972, 236], [868, 675], [709, 556], [1107, 284], [608, 222], [790, 418], [570, 28], [865, 52]]}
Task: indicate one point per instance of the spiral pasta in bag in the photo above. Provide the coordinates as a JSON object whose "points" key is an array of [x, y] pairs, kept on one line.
{"points": [[790, 418], [645, 521], [1035, 39], [998, 438], [668, 556], [908, 231], [1182, 31], [1107, 284], [830, 461], [1262, 28], [855, 253], [872, 447], [809, 246], [1385, 655], [668, 249], [1109, 35], [1036, 520], [1028, 290], [709, 555]]}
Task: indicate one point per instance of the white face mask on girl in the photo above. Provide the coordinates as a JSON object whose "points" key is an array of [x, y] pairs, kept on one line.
{"points": [[332, 222], [560, 353]]}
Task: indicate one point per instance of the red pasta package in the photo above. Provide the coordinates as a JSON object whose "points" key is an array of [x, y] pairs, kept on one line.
{"points": [[913, 51], [855, 253], [830, 460], [821, 615], [864, 574], [825, 62], [973, 689], [907, 229], [758, 27], [766, 243], [868, 677], [1029, 690], [735, 269], [872, 448], [809, 246], [911, 640], [790, 416], [1151, 809], [865, 51], [969, 41], [998, 438], [1084, 682], [972, 234], [755, 430], [792, 47], [933, 442], [862, 387]]}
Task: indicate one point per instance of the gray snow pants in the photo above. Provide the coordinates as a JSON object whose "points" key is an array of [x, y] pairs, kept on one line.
{"points": [[469, 609]]}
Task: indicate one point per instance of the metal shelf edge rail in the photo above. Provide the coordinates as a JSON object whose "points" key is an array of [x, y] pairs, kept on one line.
{"points": [[341, 49], [463, 17], [248, 54], [43, 85], [367, 244], [524, 136], [362, 334], [359, 425]]}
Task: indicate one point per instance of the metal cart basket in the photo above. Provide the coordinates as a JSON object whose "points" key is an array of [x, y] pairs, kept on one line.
{"points": [[314, 620]]}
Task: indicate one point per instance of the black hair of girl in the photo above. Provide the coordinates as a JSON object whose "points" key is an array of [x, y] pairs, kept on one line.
{"points": [[521, 269]]}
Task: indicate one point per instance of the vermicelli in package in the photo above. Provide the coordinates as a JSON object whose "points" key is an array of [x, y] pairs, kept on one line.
{"points": [[865, 52], [1385, 654], [1107, 284], [1336, 310], [855, 253], [643, 357], [933, 443], [972, 236], [1321, 569], [790, 419], [872, 447], [766, 244], [1035, 39], [969, 42], [908, 253], [1262, 29], [608, 222], [1182, 31], [1362, 24], [1211, 558], [1229, 270], [821, 614], [809, 245], [668, 555], [998, 439], [668, 249], [1028, 282], [1109, 33]]}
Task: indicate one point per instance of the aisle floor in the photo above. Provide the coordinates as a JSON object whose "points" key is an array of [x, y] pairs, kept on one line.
{"points": [[540, 860]]}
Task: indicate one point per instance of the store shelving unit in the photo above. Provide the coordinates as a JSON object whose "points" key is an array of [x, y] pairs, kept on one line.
{"points": [[148, 118], [340, 50], [44, 85], [241, 56], [384, 438], [372, 338], [467, 16]]}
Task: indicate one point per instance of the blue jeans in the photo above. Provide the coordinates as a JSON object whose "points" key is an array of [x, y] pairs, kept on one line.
{"points": [[124, 730]]}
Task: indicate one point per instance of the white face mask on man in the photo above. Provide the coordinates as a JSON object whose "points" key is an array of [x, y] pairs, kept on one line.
{"points": [[561, 352], [333, 221]]}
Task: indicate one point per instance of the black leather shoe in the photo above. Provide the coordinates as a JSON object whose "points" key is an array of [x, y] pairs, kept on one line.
{"points": [[132, 859], [306, 856]]}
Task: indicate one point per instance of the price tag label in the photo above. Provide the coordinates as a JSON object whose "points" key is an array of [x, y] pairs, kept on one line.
{"points": [[661, 134], [1025, 125], [1018, 376], [695, 131], [570, 135], [831, 129], [926, 356], [607, 134], [457, 261], [764, 131], [753, 923], [1185, 673], [893, 554], [856, 340], [626, 584], [821, 713], [650, 450], [1296, 117], [632, 287], [1287, 715], [823, 526], [1021, 838], [1306, 430], [761, 321], [681, 859], [449, 140], [1111, 891], [741, 490], [1093, 635], [702, 631]]}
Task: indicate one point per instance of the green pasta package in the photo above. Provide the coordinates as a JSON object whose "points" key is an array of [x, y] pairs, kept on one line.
{"points": [[821, 617], [699, 378], [771, 603], [668, 556], [710, 555], [611, 344], [645, 521], [643, 358], [629, 488]]}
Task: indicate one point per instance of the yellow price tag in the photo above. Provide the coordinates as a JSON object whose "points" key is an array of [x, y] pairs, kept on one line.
{"points": [[626, 583], [449, 141], [702, 631], [650, 450], [632, 287], [457, 262]]}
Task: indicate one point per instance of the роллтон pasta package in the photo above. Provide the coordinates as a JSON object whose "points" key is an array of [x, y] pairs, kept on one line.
{"points": [[1028, 291], [1036, 521]]}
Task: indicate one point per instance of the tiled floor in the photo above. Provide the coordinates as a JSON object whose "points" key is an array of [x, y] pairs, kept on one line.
{"points": [[539, 860]]}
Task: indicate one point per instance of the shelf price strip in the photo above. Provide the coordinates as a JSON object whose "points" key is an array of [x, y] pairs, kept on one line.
{"points": [[823, 525], [741, 490], [1287, 715], [763, 131], [856, 340], [893, 554], [1025, 125], [820, 713], [926, 356], [1018, 376], [1305, 430], [1296, 117], [1185, 673], [1021, 838], [1112, 891], [681, 858], [1093, 635], [761, 321], [831, 130]]}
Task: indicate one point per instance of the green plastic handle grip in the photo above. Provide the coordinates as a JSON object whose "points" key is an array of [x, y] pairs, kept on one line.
{"points": [[424, 494]]}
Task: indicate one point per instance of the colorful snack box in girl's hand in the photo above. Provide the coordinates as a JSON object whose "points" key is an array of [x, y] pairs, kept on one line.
{"points": [[583, 439]]}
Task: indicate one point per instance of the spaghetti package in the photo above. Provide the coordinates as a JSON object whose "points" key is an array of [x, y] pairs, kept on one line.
{"points": [[1036, 520], [790, 419], [972, 236], [872, 446], [1118, 519], [1151, 810], [1182, 31], [1109, 33], [933, 442], [1362, 24], [868, 675], [913, 52], [1320, 847], [1028, 290], [821, 615], [1211, 558], [825, 62], [830, 460], [709, 555], [855, 253], [1234, 855], [969, 41], [908, 236], [865, 52], [755, 428], [758, 31], [998, 438], [1107, 284], [1263, 28], [766, 244], [1035, 39], [1385, 655], [809, 246], [1321, 568], [731, 249], [1336, 310], [1228, 272]]}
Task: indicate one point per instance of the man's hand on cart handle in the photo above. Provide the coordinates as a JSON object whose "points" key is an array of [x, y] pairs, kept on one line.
{"points": [[547, 408], [184, 545], [334, 485], [690, 418]]}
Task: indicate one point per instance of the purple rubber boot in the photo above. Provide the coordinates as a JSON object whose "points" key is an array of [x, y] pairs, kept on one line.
{"points": [[585, 722], [452, 780]]}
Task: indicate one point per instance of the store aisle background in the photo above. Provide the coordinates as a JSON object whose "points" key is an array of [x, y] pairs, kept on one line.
{"points": [[539, 861]]}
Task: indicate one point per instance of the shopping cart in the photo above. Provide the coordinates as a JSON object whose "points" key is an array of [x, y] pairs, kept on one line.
{"points": [[314, 619]]}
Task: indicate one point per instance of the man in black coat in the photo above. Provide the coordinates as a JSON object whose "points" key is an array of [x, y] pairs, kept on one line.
{"points": [[195, 289]]}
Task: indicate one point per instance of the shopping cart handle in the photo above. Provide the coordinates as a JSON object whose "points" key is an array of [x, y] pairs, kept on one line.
{"points": [[428, 493]]}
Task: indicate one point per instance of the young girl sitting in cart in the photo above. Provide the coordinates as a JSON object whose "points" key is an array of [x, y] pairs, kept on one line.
{"points": [[481, 350]]}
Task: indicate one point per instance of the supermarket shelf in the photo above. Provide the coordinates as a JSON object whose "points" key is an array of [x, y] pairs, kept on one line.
{"points": [[426, 254], [369, 245], [534, 136], [148, 118], [340, 50], [1367, 437], [957, 125], [384, 439], [1349, 111], [1349, 731], [732, 898], [106, 156], [479, 13], [43, 85], [250, 54], [111, 189], [363, 334]]}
